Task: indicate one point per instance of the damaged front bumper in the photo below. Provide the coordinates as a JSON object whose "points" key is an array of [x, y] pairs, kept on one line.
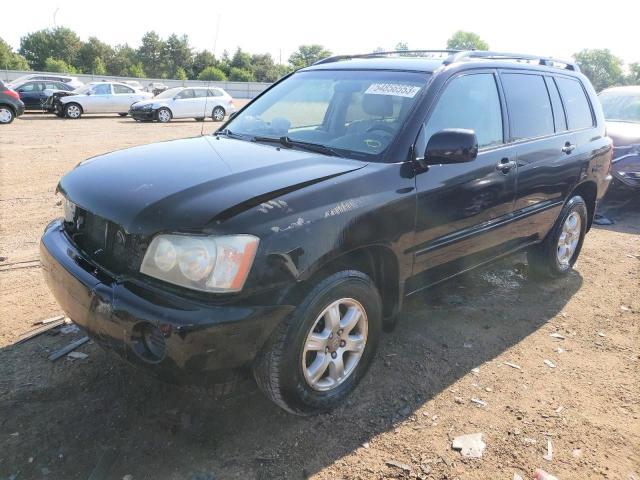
{"points": [[179, 340]]}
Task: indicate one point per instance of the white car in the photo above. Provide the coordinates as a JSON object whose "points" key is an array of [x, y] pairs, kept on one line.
{"points": [[185, 102], [99, 97], [51, 77]]}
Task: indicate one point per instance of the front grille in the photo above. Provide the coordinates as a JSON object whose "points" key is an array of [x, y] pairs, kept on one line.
{"points": [[106, 243]]}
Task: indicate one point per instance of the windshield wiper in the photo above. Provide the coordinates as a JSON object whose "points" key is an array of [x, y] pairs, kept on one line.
{"points": [[289, 143], [228, 133]]}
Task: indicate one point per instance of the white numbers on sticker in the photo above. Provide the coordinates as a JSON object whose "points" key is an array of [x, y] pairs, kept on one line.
{"points": [[397, 90]]}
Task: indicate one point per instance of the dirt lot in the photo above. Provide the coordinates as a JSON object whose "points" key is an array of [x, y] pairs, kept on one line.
{"points": [[97, 418]]}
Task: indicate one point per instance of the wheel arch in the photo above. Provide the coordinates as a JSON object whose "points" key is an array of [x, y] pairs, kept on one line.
{"points": [[10, 107], [588, 190]]}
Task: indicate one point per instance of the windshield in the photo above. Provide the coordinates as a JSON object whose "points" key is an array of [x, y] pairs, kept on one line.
{"points": [[621, 106], [84, 88], [354, 113], [169, 93]]}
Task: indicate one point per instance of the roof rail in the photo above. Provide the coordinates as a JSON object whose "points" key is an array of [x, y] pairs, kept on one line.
{"points": [[546, 61], [402, 53]]}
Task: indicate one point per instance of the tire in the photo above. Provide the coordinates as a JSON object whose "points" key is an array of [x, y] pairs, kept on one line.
{"points": [[59, 114], [164, 115], [72, 111], [6, 114], [123, 114], [284, 366], [199, 119], [218, 113], [556, 255]]}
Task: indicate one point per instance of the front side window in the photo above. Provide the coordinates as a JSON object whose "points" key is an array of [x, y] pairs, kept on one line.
{"points": [[185, 94], [353, 112], [31, 87], [200, 92], [470, 102], [529, 106], [102, 89], [621, 105], [575, 103]]}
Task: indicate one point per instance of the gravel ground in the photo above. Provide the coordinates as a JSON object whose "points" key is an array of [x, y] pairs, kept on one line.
{"points": [[74, 418]]}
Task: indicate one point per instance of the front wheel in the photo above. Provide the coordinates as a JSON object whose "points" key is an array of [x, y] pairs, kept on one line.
{"points": [[218, 114], [316, 357], [164, 115], [123, 114], [557, 254], [73, 111]]}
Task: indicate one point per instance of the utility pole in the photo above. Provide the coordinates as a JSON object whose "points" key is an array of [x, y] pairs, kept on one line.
{"points": [[55, 12], [215, 40]]}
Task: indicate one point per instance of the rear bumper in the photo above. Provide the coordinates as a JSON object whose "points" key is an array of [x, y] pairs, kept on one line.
{"points": [[19, 107], [204, 344]]}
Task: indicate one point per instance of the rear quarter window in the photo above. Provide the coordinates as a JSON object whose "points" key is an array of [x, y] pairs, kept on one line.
{"points": [[529, 106], [575, 103]]}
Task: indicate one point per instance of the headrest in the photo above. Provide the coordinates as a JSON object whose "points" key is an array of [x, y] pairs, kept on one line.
{"points": [[377, 105]]}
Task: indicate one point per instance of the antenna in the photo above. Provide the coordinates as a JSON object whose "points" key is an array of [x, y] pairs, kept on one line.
{"points": [[204, 112]]}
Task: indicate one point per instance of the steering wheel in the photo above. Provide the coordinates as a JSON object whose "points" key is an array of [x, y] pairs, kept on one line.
{"points": [[381, 127]]}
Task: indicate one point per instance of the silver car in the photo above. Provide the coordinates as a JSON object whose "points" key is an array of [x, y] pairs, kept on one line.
{"points": [[185, 102], [100, 97]]}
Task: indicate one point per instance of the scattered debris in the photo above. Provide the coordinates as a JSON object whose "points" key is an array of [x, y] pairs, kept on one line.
{"points": [[601, 334], [600, 219], [559, 350], [48, 320], [513, 365], [40, 330], [479, 402], [77, 355], [517, 476], [529, 441], [624, 308], [470, 446], [488, 389], [458, 400], [549, 455], [577, 452], [70, 329], [365, 444], [400, 465], [69, 348], [468, 345], [549, 363], [557, 335], [475, 371], [542, 475], [559, 409]]}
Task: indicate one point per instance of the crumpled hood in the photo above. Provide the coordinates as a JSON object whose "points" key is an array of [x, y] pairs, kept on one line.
{"points": [[151, 101], [184, 185]]}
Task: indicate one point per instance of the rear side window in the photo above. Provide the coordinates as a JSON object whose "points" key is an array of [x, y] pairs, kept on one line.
{"points": [[200, 92], [215, 92], [529, 106], [575, 103], [471, 102], [558, 111], [122, 89]]}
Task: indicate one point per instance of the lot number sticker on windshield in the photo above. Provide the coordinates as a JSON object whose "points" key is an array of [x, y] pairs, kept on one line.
{"points": [[395, 89]]}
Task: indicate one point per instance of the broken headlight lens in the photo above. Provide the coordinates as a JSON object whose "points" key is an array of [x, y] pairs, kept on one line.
{"points": [[209, 264], [68, 209]]}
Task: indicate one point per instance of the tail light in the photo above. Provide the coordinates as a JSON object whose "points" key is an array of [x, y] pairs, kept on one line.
{"points": [[11, 93]]}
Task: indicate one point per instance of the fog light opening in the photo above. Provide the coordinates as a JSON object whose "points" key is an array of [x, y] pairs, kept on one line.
{"points": [[149, 342]]}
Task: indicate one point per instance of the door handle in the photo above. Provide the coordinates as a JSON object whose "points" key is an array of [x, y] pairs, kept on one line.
{"points": [[505, 165], [568, 148]]}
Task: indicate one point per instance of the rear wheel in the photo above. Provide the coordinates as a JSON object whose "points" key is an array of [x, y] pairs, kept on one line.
{"points": [[557, 254], [6, 114], [123, 114], [218, 114], [318, 355], [164, 115], [73, 111]]}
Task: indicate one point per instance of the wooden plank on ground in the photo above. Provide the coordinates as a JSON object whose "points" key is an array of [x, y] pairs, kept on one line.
{"points": [[69, 348]]}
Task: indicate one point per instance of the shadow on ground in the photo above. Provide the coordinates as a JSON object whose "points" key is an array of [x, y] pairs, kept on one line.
{"points": [[73, 418]]}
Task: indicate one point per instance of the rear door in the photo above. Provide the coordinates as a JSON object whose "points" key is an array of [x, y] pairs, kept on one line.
{"points": [[462, 208], [547, 154], [30, 94], [201, 104], [123, 97]]}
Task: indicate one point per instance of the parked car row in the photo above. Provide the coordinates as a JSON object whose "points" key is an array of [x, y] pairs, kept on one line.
{"points": [[67, 97]]}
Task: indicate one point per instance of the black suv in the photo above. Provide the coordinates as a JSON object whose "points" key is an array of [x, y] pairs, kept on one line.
{"points": [[286, 242]]}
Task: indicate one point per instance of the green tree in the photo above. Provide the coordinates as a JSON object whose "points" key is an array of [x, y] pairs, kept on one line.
{"points": [[150, 54], [177, 55], [634, 74], [136, 71], [264, 68], [241, 60], [307, 55], [98, 67], [462, 40], [91, 50], [601, 67], [58, 66], [202, 60], [212, 74], [122, 60], [10, 60], [180, 74], [59, 43], [240, 75]]}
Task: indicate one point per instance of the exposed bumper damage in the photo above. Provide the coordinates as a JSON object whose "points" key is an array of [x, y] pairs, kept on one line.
{"points": [[180, 340]]}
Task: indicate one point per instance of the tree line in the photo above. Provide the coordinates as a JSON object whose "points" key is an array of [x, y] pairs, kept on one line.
{"points": [[61, 50]]}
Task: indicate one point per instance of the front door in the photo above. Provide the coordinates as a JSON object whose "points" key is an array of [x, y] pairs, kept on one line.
{"points": [[462, 209], [183, 104], [100, 100]]}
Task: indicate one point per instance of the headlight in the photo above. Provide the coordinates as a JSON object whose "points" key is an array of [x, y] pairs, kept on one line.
{"points": [[208, 264]]}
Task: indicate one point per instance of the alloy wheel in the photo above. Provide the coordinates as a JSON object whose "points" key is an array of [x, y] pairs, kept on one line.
{"points": [[335, 344], [569, 238], [6, 115]]}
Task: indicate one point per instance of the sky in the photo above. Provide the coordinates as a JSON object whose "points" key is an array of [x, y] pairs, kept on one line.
{"points": [[555, 28]]}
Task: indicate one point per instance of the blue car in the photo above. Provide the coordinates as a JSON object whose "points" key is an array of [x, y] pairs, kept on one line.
{"points": [[35, 92]]}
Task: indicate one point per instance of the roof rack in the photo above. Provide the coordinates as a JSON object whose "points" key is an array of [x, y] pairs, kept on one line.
{"points": [[402, 53], [458, 55], [546, 61]]}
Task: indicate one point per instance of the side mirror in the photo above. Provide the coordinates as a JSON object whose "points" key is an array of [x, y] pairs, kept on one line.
{"points": [[451, 145], [89, 92]]}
